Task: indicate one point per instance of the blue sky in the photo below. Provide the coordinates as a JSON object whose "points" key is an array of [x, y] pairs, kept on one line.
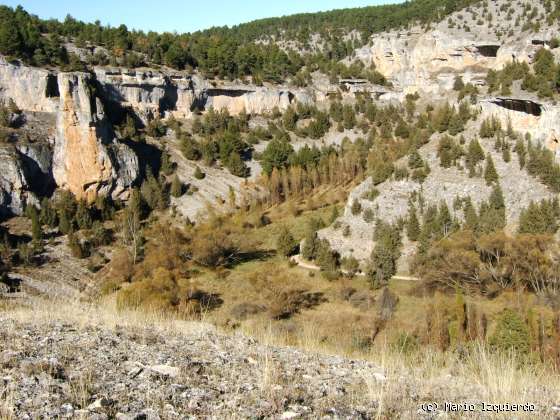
{"points": [[177, 15]]}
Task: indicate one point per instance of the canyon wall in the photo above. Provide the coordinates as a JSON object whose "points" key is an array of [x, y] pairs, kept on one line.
{"points": [[87, 157]]}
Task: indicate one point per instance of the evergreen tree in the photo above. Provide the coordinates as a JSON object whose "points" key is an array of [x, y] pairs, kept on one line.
{"points": [[236, 166], [48, 214], [83, 216], [176, 187], [198, 174], [413, 225], [166, 164], [521, 152], [506, 153], [326, 258], [475, 154], [65, 223], [490, 174], [458, 84], [444, 220], [493, 213], [75, 246], [456, 124], [276, 155], [190, 149], [36, 228], [310, 243], [285, 243], [383, 261], [471, 217], [290, 118], [348, 117], [356, 207], [415, 160], [539, 218]]}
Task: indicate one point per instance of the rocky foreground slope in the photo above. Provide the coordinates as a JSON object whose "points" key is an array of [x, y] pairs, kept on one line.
{"points": [[65, 361], [60, 369]]}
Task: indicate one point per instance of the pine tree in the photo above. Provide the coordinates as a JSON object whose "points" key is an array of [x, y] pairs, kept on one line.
{"points": [[506, 154], [521, 152], [413, 225], [356, 207], [36, 229], [458, 84], [65, 223], [48, 214], [83, 216], [444, 220], [475, 154], [198, 174], [490, 174], [471, 218], [326, 258], [176, 187], [493, 213], [310, 244], [456, 124], [539, 219], [383, 260], [166, 164], [415, 160], [285, 243]]}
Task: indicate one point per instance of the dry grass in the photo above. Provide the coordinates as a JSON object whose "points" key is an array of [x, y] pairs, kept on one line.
{"points": [[407, 379], [104, 313]]}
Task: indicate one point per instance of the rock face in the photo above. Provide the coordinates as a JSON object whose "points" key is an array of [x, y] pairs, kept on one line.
{"points": [[32, 89], [428, 62], [25, 175], [257, 100], [147, 92], [541, 120], [87, 159]]}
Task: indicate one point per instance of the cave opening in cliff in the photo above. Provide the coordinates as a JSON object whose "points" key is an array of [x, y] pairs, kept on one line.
{"points": [[520, 105], [488, 50], [51, 89]]}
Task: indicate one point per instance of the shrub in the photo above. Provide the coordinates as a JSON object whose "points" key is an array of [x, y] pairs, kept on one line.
{"points": [[213, 248]]}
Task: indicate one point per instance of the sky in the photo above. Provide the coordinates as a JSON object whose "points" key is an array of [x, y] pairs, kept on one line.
{"points": [[177, 15]]}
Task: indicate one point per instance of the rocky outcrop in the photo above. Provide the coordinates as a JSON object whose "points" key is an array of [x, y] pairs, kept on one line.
{"points": [[149, 93], [87, 158], [442, 185], [428, 62], [541, 120], [253, 100], [425, 62], [32, 89], [25, 175]]}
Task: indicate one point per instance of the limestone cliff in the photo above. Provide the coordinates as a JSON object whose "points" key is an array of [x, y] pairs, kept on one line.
{"points": [[541, 120], [148, 92], [87, 159], [31, 88], [24, 176]]}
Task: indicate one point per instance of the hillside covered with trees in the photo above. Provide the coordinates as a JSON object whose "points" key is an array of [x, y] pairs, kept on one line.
{"points": [[225, 52]]}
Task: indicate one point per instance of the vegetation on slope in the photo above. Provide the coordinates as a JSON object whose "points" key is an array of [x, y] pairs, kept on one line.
{"points": [[225, 52]]}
